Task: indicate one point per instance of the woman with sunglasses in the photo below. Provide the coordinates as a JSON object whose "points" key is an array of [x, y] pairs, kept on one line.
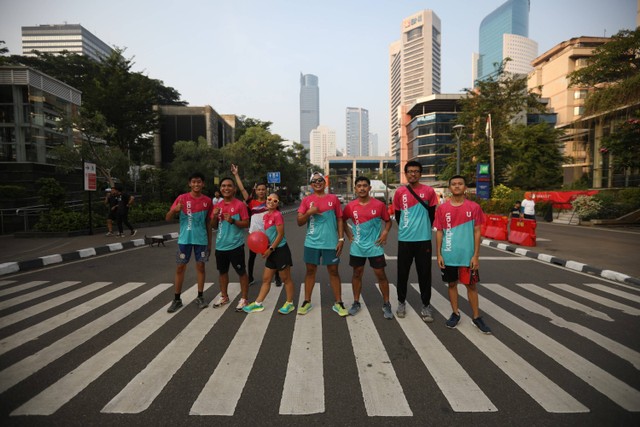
{"points": [[278, 258], [257, 205]]}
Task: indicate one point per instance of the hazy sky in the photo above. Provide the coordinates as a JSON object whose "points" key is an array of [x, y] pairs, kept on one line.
{"points": [[246, 57]]}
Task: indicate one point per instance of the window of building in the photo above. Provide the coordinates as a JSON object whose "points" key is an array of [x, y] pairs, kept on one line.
{"points": [[578, 111], [414, 34]]}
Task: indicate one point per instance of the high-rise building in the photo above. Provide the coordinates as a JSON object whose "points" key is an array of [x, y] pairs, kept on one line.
{"points": [[504, 34], [309, 106], [357, 131], [59, 37], [323, 144], [373, 144], [414, 66]]}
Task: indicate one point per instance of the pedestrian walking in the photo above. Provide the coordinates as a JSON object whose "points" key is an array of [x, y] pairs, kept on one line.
{"points": [[324, 239], [111, 200], [125, 201], [194, 209], [371, 225], [278, 258], [415, 206], [458, 222], [230, 218]]}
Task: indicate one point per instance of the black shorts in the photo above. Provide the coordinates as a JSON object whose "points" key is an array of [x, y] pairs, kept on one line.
{"points": [[374, 261], [451, 274], [235, 257], [280, 258], [113, 215]]}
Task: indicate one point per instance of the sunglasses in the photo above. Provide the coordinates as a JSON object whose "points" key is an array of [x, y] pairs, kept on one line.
{"points": [[316, 181], [271, 199]]}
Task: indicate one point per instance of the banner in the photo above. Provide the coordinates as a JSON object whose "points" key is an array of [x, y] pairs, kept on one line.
{"points": [[560, 199]]}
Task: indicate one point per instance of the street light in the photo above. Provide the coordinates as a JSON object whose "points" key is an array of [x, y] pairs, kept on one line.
{"points": [[457, 130]]}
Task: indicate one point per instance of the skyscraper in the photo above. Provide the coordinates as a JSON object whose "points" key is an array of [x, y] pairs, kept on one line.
{"points": [[357, 131], [309, 106], [414, 66], [58, 37], [504, 34], [323, 144], [373, 144]]}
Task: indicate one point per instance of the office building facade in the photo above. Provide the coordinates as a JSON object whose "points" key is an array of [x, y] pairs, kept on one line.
{"points": [[357, 128], [414, 67], [504, 34], [322, 145], [309, 106], [57, 38]]}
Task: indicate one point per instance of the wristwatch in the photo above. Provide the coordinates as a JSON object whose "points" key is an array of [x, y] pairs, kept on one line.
{"points": [[341, 239]]}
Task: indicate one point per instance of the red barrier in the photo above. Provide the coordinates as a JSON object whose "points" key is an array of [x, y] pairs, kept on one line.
{"points": [[522, 232], [496, 227]]}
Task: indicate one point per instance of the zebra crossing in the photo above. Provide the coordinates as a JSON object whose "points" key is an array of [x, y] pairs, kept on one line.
{"points": [[381, 390]]}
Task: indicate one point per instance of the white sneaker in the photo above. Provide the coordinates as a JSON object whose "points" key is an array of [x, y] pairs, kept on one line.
{"points": [[241, 304]]}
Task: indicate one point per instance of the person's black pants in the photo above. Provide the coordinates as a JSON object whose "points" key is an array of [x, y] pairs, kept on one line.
{"points": [[123, 219], [421, 253], [252, 263]]}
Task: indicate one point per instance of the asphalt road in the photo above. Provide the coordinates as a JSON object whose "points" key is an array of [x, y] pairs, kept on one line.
{"points": [[90, 343]]}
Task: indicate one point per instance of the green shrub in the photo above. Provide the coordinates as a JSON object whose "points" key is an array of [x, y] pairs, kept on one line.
{"points": [[61, 220], [148, 212], [51, 192], [587, 207], [12, 192]]}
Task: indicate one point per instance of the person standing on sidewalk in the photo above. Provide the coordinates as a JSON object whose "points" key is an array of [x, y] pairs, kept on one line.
{"points": [[111, 200], [458, 222], [415, 205], [528, 207], [278, 257], [195, 210], [230, 218], [257, 205], [367, 240], [125, 201], [322, 215]]}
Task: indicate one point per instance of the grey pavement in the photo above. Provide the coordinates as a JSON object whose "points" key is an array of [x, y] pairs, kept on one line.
{"points": [[611, 253]]}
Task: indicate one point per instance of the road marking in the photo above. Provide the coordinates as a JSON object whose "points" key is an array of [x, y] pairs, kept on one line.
{"points": [[616, 390], [559, 299], [463, 394], [37, 294], [541, 389], [50, 324], [223, 390], [597, 299], [608, 344], [303, 391], [23, 287], [142, 390], [381, 390], [49, 304], [6, 282], [32, 364], [608, 289]]}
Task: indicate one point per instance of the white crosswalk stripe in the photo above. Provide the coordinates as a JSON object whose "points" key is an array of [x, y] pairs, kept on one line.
{"points": [[381, 389]]}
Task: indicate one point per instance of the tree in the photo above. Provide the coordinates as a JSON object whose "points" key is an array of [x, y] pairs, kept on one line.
{"points": [[504, 96], [624, 146], [248, 122], [191, 157]]}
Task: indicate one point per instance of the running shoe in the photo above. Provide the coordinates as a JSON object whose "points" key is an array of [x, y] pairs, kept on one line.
{"points": [[254, 307], [286, 308], [109, 234], [305, 308], [241, 304], [401, 311], [386, 309], [453, 321], [221, 301], [120, 235], [427, 313], [134, 232], [176, 304], [355, 308], [339, 308], [251, 281], [200, 303], [479, 323]]}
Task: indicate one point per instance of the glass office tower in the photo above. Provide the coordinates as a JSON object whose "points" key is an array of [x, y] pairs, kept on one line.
{"points": [[309, 106]]}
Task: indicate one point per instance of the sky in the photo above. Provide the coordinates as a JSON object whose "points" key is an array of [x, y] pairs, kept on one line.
{"points": [[245, 57]]}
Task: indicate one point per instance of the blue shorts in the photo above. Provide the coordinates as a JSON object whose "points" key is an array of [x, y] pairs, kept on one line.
{"points": [[184, 253], [320, 256]]}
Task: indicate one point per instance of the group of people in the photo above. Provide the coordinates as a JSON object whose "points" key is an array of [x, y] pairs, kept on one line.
{"points": [[118, 201], [365, 222]]}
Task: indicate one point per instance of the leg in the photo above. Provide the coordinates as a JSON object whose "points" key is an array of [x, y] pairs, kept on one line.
{"points": [[309, 281], [119, 219], [289, 288], [252, 262], [472, 294], [244, 285], [109, 225], [356, 280], [201, 275], [453, 297], [266, 285], [179, 278], [334, 280], [224, 283], [423, 267], [405, 258], [383, 282]]}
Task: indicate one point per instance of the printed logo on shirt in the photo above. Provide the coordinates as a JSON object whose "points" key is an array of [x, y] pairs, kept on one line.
{"points": [[468, 214]]}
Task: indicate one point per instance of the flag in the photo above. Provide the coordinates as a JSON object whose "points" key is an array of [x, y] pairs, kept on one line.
{"points": [[487, 129]]}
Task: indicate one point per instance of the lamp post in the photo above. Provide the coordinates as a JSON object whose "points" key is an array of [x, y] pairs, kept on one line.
{"points": [[457, 130]]}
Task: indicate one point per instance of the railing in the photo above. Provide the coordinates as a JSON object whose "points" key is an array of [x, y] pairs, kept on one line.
{"points": [[34, 211]]}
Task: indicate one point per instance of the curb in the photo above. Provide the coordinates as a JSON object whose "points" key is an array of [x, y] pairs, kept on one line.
{"points": [[573, 265], [15, 267]]}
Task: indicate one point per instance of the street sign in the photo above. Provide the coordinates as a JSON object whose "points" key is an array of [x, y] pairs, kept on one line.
{"points": [[90, 177], [273, 177]]}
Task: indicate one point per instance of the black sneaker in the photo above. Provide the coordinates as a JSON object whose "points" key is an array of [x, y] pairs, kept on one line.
{"points": [[453, 321], [200, 303], [176, 304], [479, 323], [251, 281], [278, 281]]}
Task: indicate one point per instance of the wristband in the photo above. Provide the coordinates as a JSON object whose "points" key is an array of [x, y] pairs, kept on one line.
{"points": [[341, 239]]}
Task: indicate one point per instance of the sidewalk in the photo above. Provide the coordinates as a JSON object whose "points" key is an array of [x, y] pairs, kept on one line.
{"points": [[608, 253]]}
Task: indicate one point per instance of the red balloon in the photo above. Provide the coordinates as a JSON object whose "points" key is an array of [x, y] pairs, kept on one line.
{"points": [[258, 242]]}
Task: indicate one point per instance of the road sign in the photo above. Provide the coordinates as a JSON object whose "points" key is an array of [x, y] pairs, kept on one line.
{"points": [[90, 177], [273, 177]]}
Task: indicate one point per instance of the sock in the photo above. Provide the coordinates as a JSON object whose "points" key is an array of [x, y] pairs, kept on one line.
{"points": [[305, 302], [200, 294], [177, 297], [258, 303]]}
